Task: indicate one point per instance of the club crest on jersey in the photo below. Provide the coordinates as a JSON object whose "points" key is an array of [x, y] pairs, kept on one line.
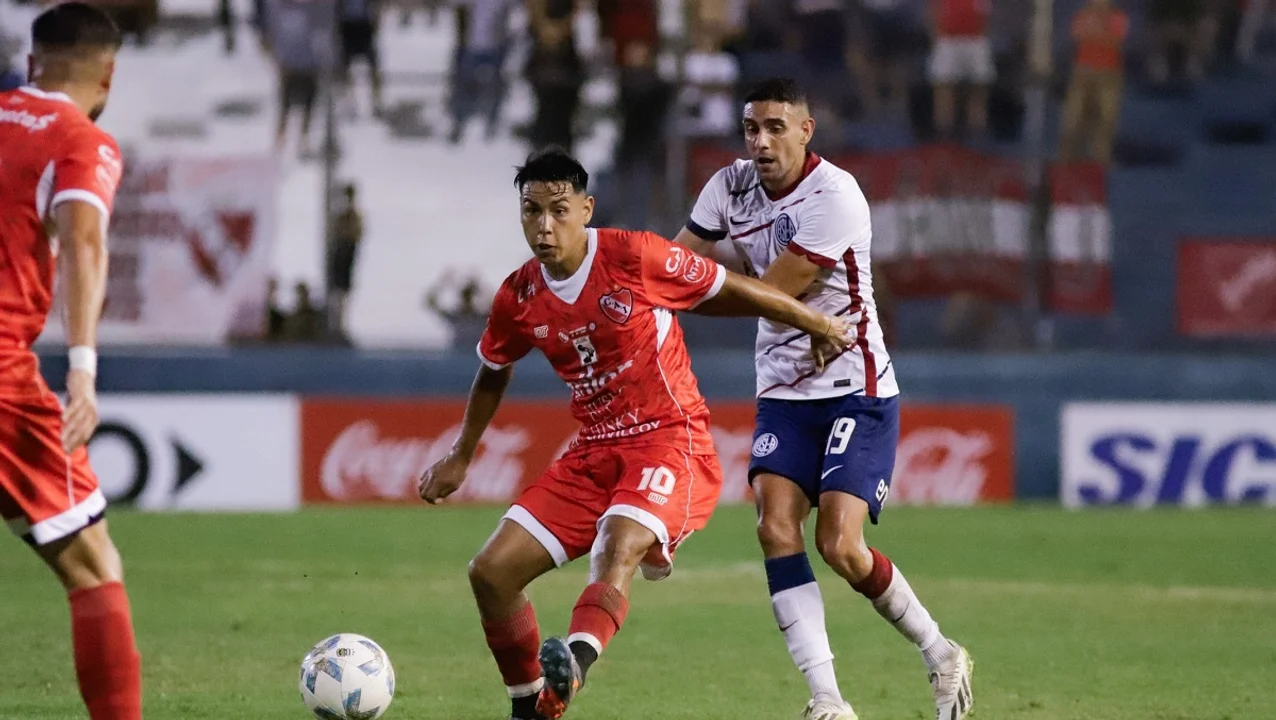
{"points": [[617, 305], [783, 230]]}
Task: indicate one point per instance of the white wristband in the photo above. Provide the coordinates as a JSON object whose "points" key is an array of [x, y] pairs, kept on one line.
{"points": [[84, 358]]}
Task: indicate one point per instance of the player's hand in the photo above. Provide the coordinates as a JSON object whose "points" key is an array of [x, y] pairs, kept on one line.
{"points": [[79, 417], [832, 342], [443, 478]]}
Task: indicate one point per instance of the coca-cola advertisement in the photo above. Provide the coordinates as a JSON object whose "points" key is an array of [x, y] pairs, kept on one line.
{"points": [[1227, 288], [368, 451]]}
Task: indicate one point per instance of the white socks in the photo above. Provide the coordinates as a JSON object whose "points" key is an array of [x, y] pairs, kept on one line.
{"points": [[900, 607], [799, 612]]}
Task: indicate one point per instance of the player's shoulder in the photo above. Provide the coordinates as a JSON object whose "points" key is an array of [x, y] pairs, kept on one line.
{"points": [[520, 285], [737, 178], [835, 190]]}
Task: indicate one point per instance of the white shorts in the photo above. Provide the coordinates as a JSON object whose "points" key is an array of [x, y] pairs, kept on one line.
{"points": [[959, 59]]}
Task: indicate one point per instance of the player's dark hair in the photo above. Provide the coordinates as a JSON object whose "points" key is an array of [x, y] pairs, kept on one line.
{"points": [[781, 89], [551, 165], [74, 27]]}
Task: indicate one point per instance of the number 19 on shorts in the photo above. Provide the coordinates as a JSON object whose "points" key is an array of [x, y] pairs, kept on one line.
{"points": [[840, 437]]}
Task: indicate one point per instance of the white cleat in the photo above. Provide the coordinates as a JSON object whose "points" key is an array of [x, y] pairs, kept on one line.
{"points": [[828, 710], [951, 683]]}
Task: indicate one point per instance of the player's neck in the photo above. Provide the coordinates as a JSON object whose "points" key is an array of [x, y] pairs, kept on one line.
{"points": [[571, 263], [792, 178], [82, 97]]}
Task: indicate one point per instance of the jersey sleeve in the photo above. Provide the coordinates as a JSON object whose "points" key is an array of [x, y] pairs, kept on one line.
{"points": [[503, 344], [833, 224], [89, 170], [676, 278], [709, 216]]}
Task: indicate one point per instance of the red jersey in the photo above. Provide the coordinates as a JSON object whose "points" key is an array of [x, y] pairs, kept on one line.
{"points": [[609, 333], [50, 151]]}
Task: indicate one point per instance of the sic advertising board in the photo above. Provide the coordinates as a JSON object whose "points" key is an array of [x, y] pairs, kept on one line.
{"points": [[372, 451], [1145, 454], [198, 452]]}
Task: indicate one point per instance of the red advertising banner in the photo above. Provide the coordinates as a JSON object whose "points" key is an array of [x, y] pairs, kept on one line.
{"points": [[1227, 288], [361, 451], [1078, 278]]}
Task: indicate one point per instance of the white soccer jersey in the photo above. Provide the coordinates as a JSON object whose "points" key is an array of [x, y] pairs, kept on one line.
{"points": [[825, 218]]}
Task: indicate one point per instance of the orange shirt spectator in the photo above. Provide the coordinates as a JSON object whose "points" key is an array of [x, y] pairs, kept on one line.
{"points": [[1100, 30], [961, 18]]}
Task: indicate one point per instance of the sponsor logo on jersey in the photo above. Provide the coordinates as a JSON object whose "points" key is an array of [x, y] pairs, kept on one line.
{"points": [[541, 332], [617, 305], [585, 349], [676, 258], [783, 230], [765, 444], [34, 123], [697, 269]]}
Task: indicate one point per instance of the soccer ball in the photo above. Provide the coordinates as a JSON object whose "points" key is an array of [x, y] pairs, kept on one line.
{"points": [[347, 677]]}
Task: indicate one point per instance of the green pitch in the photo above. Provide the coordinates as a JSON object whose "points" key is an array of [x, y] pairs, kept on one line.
{"points": [[1077, 616]]}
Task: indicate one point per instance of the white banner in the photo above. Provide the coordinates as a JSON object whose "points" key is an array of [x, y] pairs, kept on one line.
{"points": [[191, 245], [1144, 454], [199, 452]]}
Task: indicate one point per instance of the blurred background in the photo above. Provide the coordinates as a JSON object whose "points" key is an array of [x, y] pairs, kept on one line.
{"points": [[1073, 201]]}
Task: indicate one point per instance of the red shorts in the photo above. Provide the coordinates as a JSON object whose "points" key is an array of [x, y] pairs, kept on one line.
{"points": [[668, 491], [45, 494]]}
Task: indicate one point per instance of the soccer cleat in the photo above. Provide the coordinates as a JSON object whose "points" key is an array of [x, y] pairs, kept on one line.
{"points": [[951, 683], [828, 710], [562, 678]]}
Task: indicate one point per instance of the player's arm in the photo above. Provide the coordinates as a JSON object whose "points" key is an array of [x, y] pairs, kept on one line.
{"points": [[742, 296], [81, 232], [501, 346], [706, 230]]}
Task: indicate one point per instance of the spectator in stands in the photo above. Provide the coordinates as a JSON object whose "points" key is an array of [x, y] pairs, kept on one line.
{"points": [[275, 317], [645, 99], [1184, 27], [710, 73], [478, 77], [15, 41], [1257, 14], [555, 72], [823, 28], [962, 53], [716, 24], [882, 61], [347, 235], [299, 37], [467, 318], [305, 323], [1099, 30], [360, 22]]}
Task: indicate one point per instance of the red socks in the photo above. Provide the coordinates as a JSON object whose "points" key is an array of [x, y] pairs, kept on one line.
{"points": [[878, 580], [107, 663], [599, 613], [515, 643]]}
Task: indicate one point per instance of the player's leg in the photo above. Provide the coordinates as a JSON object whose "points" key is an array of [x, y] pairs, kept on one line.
{"points": [[53, 502], [784, 473], [659, 497], [510, 560], [859, 460], [553, 522]]}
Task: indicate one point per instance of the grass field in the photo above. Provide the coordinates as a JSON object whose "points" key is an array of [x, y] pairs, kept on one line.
{"points": [[1070, 616]]}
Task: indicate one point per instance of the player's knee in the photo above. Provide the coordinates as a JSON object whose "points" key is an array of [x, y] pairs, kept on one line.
{"points": [[845, 552], [624, 543], [778, 536], [487, 578]]}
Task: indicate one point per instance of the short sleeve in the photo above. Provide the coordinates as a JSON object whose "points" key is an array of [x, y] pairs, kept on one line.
{"points": [[88, 170], [503, 344], [831, 226], [676, 278], [709, 216]]}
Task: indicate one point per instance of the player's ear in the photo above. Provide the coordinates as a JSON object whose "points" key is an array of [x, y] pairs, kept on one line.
{"points": [[808, 129], [589, 208], [108, 74]]}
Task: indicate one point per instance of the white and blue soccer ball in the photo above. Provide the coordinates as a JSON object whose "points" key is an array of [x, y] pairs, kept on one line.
{"points": [[347, 677]]}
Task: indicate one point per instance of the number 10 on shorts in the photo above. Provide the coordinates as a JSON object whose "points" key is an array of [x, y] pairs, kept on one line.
{"points": [[659, 480]]}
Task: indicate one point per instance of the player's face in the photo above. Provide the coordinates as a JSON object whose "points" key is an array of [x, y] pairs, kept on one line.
{"points": [[554, 218], [104, 88], [776, 135]]}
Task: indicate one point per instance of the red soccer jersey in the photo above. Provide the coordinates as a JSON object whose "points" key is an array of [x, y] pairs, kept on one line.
{"points": [[609, 334], [49, 152]]}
